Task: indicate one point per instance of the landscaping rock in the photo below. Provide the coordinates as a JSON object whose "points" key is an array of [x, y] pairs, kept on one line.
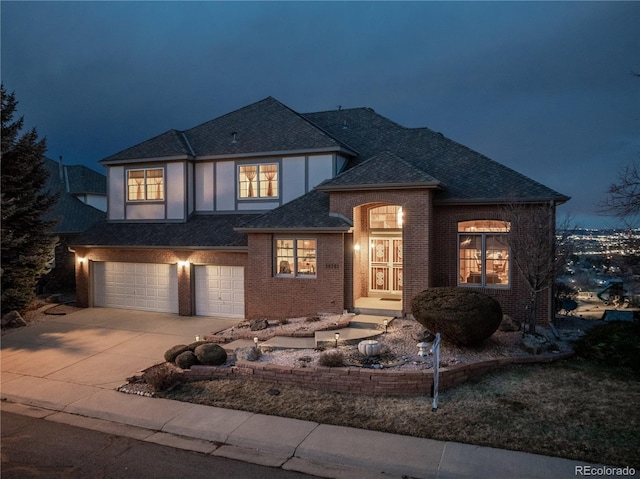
{"points": [[258, 324], [509, 324], [13, 319], [533, 344]]}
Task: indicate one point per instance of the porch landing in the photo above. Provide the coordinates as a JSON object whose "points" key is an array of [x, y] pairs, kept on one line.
{"points": [[387, 306], [362, 326]]}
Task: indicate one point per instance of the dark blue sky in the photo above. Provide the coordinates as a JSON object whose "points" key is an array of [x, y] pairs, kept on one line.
{"points": [[546, 88]]}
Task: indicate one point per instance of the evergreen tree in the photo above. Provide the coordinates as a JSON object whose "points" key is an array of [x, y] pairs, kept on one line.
{"points": [[27, 242]]}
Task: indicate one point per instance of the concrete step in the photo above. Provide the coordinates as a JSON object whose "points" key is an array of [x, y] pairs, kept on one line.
{"points": [[368, 321], [347, 336]]}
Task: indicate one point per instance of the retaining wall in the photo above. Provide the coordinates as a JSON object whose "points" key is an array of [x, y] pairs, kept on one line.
{"points": [[361, 380]]}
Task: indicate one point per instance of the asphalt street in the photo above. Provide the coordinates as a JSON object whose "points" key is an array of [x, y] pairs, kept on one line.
{"points": [[39, 448]]}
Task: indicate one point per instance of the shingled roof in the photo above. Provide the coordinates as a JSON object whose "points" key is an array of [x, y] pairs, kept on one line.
{"points": [[71, 214], [266, 126], [466, 175], [308, 212], [205, 232]]}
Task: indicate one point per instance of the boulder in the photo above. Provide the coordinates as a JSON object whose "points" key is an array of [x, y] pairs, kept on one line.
{"points": [[258, 324]]}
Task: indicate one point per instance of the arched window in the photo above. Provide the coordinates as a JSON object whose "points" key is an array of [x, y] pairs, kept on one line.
{"points": [[483, 253]]}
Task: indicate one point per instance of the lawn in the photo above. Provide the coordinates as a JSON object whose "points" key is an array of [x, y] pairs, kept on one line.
{"points": [[578, 409]]}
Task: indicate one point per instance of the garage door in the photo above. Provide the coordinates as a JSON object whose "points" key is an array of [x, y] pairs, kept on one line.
{"points": [[220, 291], [147, 287]]}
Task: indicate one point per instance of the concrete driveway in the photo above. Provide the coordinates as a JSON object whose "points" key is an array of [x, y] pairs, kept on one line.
{"points": [[98, 347]]}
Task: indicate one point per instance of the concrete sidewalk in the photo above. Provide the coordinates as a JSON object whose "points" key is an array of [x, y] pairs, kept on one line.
{"points": [[67, 369]]}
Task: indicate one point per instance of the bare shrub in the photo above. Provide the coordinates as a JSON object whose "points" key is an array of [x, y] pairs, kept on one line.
{"points": [[331, 359], [161, 376]]}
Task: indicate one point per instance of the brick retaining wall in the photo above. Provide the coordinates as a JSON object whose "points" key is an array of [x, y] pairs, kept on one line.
{"points": [[361, 380]]}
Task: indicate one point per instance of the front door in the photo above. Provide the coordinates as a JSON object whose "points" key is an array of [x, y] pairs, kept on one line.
{"points": [[385, 265]]}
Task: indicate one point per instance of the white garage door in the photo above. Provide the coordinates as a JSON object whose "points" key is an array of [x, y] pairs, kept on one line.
{"points": [[220, 291], [147, 287]]}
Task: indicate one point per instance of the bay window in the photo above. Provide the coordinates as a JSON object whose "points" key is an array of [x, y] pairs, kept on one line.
{"points": [[483, 253], [295, 257]]}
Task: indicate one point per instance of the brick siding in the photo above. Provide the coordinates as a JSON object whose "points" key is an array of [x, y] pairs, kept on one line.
{"points": [[186, 286], [271, 297]]}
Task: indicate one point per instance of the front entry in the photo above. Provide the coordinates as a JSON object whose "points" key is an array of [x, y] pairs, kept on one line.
{"points": [[385, 265]]}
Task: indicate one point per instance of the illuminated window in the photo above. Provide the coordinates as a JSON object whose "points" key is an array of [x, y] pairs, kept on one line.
{"points": [[258, 181], [483, 253], [296, 257], [386, 217], [145, 184]]}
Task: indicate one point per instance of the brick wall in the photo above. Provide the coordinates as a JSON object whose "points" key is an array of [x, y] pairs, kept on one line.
{"points": [[186, 301], [271, 297], [360, 380], [513, 300], [417, 235]]}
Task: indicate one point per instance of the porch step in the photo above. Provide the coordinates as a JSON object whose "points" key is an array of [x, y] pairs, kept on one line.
{"points": [[370, 321], [393, 313], [347, 336]]}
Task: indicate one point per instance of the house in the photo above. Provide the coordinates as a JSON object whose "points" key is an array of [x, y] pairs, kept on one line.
{"points": [[81, 203], [266, 212]]}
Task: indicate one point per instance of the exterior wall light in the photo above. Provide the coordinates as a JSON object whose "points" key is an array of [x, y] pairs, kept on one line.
{"points": [[183, 264], [82, 260], [356, 247]]}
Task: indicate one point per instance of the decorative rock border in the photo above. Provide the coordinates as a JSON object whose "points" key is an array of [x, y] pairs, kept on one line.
{"points": [[362, 380]]}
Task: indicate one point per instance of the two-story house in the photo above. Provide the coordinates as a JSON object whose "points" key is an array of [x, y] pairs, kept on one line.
{"points": [[266, 212]]}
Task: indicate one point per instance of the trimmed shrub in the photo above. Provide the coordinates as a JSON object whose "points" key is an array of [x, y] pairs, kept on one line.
{"points": [[161, 376], [211, 354], [462, 316], [171, 354], [331, 359], [186, 359]]}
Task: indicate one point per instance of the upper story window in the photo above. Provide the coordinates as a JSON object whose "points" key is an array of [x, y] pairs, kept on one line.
{"points": [[258, 181], [483, 253], [145, 184], [296, 257]]}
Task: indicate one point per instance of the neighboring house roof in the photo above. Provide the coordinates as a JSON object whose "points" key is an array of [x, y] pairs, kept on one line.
{"points": [[308, 212], [203, 232], [267, 126], [72, 215]]}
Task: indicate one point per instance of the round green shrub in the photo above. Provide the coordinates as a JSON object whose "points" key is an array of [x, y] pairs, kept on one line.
{"points": [[211, 354], [171, 354], [462, 316], [186, 359]]}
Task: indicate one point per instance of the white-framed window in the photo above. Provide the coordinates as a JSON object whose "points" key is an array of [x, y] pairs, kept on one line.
{"points": [[483, 253], [296, 257], [145, 184], [258, 181]]}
